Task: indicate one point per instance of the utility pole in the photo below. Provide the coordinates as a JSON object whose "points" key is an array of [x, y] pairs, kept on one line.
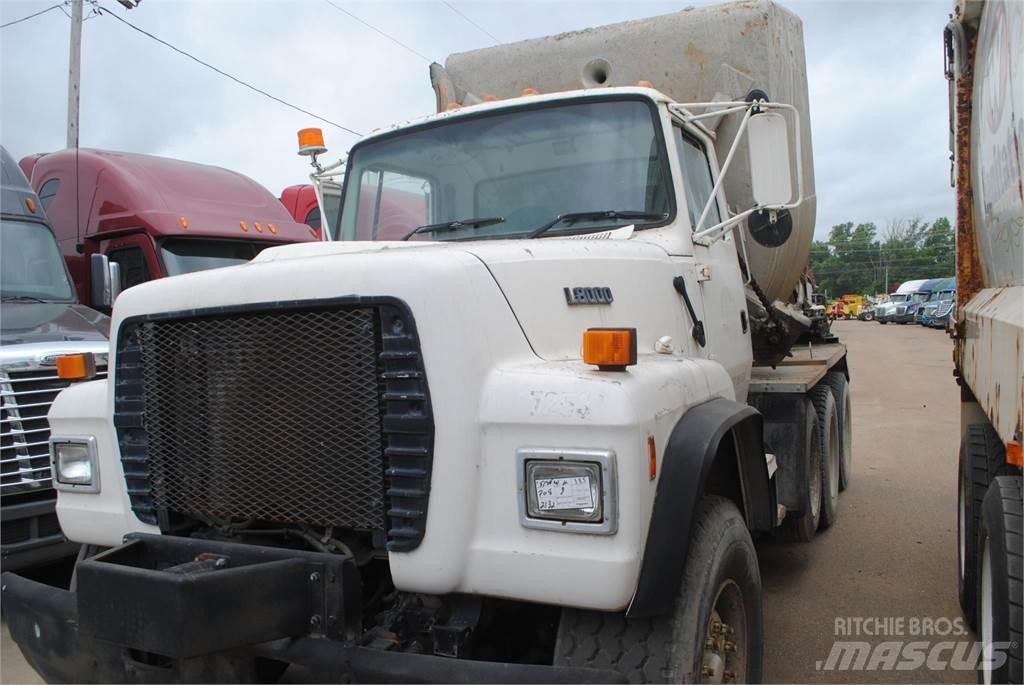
{"points": [[74, 72]]}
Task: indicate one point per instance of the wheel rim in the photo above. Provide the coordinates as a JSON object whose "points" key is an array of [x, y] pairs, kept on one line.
{"points": [[985, 624], [961, 523], [725, 645]]}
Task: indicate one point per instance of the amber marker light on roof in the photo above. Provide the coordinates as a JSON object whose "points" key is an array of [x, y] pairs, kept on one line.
{"points": [[30, 204], [184, 222], [610, 349], [76, 367], [273, 228], [244, 226], [257, 226]]}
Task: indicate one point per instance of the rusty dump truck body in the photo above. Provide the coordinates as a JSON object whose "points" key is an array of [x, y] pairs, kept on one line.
{"points": [[985, 67], [987, 115]]}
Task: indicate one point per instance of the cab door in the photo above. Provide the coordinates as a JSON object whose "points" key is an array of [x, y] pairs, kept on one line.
{"points": [[718, 274]]}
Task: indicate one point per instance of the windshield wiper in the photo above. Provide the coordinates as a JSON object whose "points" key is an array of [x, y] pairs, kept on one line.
{"points": [[22, 298], [455, 225], [573, 217]]}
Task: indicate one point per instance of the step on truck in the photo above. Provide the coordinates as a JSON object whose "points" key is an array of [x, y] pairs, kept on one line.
{"points": [[985, 68], [40, 322], [529, 438]]}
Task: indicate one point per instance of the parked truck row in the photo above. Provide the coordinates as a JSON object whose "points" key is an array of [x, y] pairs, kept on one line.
{"points": [[539, 390]]}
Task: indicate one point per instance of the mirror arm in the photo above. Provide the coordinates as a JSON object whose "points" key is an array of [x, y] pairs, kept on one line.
{"points": [[713, 197]]}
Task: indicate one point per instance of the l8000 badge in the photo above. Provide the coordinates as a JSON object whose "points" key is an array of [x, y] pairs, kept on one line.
{"points": [[592, 295]]}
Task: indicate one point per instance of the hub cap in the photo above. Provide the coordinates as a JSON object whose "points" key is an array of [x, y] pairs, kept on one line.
{"points": [[725, 647]]}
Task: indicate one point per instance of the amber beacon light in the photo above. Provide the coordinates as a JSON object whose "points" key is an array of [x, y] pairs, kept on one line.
{"points": [[311, 142], [610, 349]]}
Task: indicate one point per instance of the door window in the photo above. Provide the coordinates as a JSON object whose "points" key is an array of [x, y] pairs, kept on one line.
{"points": [[696, 179], [134, 269], [48, 192]]}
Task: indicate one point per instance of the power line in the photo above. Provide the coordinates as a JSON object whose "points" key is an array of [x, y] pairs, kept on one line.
{"points": [[374, 28], [31, 16], [482, 29], [237, 80]]}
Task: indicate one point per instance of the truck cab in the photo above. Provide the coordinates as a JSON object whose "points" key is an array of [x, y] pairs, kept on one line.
{"points": [[302, 203], [154, 216], [40, 320], [544, 374]]}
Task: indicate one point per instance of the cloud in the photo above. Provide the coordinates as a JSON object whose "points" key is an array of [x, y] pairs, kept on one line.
{"points": [[877, 93]]}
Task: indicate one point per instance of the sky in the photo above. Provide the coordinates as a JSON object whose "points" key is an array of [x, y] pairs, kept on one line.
{"points": [[878, 96]]}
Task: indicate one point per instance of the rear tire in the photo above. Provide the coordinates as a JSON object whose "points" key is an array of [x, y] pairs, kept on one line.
{"points": [[836, 380], [721, 586], [828, 423], [999, 571], [804, 524], [982, 458]]}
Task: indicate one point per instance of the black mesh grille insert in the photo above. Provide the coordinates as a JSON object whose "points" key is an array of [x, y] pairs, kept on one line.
{"points": [[297, 414], [272, 416]]}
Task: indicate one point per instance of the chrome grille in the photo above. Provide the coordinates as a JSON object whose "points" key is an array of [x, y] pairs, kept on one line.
{"points": [[313, 415], [25, 399]]}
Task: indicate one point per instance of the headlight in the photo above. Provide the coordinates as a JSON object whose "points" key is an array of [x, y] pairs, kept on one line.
{"points": [[571, 490], [74, 464]]}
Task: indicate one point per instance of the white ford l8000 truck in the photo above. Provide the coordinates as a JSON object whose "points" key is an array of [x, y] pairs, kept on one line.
{"points": [[518, 420]]}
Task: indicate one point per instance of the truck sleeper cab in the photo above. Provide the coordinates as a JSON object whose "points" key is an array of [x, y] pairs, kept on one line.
{"points": [[155, 216], [40, 320], [453, 464]]}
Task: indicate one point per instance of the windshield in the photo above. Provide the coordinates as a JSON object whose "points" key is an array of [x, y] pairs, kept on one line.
{"points": [[525, 168], [920, 297], [31, 265], [185, 255], [898, 298]]}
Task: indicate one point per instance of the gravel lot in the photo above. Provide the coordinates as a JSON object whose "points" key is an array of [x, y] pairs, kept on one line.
{"points": [[892, 553]]}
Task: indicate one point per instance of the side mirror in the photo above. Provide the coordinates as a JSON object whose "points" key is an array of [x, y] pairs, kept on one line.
{"points": [[770, 167], [115, 282], [104, 281]]}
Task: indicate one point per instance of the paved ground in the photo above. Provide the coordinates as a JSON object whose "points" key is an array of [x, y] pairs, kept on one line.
{"points": [[892, 553]]}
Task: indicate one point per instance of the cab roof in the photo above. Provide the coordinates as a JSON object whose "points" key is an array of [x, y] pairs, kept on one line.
{"points": [[121, 192], [16, 195]]}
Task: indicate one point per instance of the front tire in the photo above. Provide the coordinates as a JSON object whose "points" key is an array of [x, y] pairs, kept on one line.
{"points": [[999, 594], [714, 630]]}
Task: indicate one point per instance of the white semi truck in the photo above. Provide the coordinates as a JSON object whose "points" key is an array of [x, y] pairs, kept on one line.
{"points": [[519, 420], [985, 67]]}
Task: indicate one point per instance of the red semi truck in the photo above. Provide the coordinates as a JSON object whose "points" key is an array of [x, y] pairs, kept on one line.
{"points": [[154, 216]]}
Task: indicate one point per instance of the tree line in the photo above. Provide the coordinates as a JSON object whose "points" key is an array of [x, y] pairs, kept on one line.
{"points": [[858, 260]]}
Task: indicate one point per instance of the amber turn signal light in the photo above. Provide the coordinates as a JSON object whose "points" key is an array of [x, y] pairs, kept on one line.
{"points": [[610, 349], [1013, 453], [76, 367]]}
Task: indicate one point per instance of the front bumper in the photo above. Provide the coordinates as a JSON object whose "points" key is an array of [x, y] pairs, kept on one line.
{"points": [[31, 534], [130, 622]]}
